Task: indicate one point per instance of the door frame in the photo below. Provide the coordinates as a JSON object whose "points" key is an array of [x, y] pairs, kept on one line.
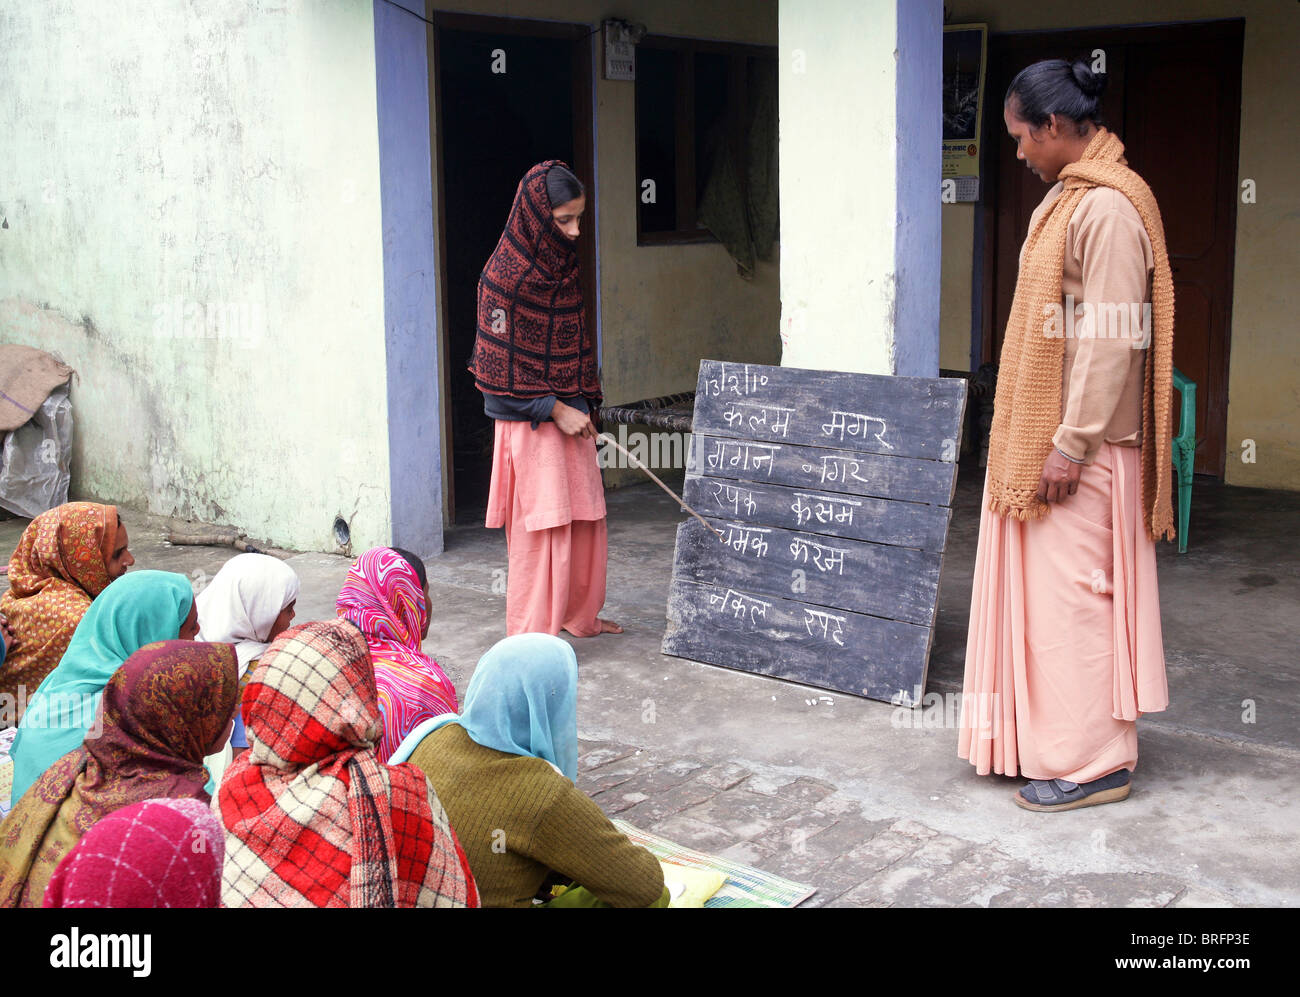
{"points": [[1004, 44], [584, 154]]}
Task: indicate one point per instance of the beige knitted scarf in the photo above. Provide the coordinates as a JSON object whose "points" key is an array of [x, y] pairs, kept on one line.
{"points": [[1027, 406]]}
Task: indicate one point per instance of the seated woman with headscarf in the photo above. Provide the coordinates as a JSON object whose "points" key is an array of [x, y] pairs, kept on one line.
{"points": [[249, 603], [170, 704], [312, 817], [505, 770], [157, 853], [386, 596], [66, 557], [137, 609]]}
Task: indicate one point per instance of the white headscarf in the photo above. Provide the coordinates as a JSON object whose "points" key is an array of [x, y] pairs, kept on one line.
{"points": [[240, 605]]}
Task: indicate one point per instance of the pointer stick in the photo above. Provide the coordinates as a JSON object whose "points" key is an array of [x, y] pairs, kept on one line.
{"points": [[636, 463]]}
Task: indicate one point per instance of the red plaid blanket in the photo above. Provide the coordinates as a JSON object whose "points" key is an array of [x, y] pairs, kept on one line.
{"points": [[312, 818]]}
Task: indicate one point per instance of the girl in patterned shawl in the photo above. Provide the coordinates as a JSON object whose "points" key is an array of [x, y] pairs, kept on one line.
{"points": [[386, 597], [171, 703], [535, 363]]}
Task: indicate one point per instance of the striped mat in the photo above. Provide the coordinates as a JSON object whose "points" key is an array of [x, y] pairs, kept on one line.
{"points": [[745, 885]]}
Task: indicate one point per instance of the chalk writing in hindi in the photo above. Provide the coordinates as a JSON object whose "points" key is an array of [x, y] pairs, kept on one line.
{"points": [[823, 508], [754, 417], [738, 604], [729, 455], [743, 382], [824, 557], [734, 499], [856, 425], [826, 497], [836, 468], [747, 539], [826, 625]]}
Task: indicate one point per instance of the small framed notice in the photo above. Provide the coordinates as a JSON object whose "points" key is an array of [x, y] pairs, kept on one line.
{"points": [[964, 56], [620, 52]]}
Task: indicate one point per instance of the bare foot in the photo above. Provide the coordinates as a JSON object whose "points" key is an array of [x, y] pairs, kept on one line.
{"points": [[606, 627]]}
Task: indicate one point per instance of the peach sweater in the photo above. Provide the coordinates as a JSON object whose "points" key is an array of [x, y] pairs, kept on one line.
{"points": [[1107, 279]]}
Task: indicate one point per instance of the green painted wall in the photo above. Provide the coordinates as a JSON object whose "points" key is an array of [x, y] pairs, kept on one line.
{"points": [[192, 198]]}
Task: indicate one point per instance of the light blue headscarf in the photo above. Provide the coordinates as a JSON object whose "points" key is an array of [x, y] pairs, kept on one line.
{"points": [[137, 609], [523, 699]]}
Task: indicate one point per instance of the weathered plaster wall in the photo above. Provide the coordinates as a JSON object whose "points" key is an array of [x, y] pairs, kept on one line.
{"points": [[838, 125], [192, 198], [859, 161], [1264, 362]]}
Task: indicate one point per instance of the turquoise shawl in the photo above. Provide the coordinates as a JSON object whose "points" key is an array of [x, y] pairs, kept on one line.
{"points": [[137, 609]]}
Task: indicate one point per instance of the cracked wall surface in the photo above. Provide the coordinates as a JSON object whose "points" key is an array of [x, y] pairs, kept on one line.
{"points": [[192, 201]]}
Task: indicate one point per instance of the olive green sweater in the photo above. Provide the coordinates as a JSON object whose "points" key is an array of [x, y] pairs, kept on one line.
{"points": [[518, 820]]}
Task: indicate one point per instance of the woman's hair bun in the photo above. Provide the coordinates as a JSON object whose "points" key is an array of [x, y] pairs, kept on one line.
{"points": [[1055, 86], [1092, 84]]}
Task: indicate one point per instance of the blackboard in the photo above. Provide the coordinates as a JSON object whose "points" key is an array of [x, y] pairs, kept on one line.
{"points": [[832, 494]]}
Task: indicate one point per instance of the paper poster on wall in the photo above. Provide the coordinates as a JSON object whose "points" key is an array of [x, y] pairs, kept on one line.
{"points": [[964, 49], [620, 51]]}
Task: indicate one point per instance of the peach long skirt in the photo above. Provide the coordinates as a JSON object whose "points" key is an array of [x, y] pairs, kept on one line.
{"points": [[547, 493], [1064, 651]]}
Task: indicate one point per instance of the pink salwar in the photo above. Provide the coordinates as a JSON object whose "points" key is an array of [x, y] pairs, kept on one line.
{"points": [[1064, 650], [547, 494]]}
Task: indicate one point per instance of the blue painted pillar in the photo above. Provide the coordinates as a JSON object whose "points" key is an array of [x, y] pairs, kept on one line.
{"points": [[918, 234], [410, 277]]}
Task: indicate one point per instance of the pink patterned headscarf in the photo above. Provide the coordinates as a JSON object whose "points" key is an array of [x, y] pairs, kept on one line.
{"points": [[156, 853], [383, 598]]}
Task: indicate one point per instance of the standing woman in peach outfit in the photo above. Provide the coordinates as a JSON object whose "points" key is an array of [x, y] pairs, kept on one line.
{"points": [[1064, 650], [535, 363]]}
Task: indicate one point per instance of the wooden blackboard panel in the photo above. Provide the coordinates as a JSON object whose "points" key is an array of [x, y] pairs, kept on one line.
{"points": [[876, 579], [904, 524], [835, 649], [831, 492], [849, 471], [898, 416]]}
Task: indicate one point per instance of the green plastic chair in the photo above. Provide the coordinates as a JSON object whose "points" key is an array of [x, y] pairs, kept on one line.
{"points": [[1184, 450]]}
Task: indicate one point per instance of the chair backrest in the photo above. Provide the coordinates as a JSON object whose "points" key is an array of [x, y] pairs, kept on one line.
{"points": [[1186, 389]]}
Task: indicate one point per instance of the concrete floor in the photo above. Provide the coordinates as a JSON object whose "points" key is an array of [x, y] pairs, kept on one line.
{"points": [[834, 791]]}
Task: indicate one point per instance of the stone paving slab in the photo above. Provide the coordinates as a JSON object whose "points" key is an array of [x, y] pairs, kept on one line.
{"points": [[808, 831]]}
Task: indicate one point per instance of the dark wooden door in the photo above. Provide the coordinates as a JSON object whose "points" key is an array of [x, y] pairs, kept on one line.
{"points": [[509, 93], [1173, 96]]}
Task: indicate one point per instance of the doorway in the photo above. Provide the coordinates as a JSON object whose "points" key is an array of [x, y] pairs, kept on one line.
{"points": [[1173, 95], [509, 93]]}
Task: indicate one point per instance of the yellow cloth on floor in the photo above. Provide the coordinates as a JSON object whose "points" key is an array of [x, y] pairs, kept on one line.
{"points": [[691, 887]]}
